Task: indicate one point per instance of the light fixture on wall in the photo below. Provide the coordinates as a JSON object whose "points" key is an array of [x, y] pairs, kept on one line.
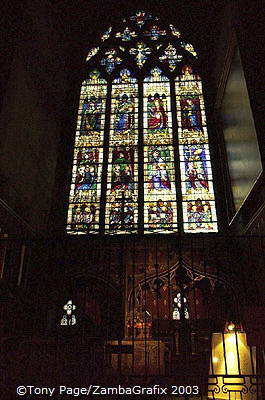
{"points": [[232, 326], [231, 358]]}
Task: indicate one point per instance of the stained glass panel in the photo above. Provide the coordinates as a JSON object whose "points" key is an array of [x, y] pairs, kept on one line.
{"points": [[171, 57], [83, 214], [174, 31], [141, 53], [126, 35], [188, 47], [111, 60], [157, 152], [83, 218], [159, 172], [86, 172], [157, 109], [199, 216], [92, 53], [122, 186], [140, 18], [199, 212], [124, 110], [155, 32], [106, 35]]}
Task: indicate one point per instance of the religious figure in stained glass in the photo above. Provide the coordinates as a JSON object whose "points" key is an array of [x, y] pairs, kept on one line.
{"points": [[141, 52], [87, 174], [122, 187], [86, 177], [199, 215], [121, 216], [91, 113], [158, 177], [160, 214], [157, 117], [115, 123], [158, 166], [122, 169], [83, 216], [83, 213], [124, 113], [198, 206], [191, 115], [195, 165]]}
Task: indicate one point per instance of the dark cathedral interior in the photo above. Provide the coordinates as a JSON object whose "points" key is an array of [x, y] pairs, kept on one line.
{"points": [[131, 246]]}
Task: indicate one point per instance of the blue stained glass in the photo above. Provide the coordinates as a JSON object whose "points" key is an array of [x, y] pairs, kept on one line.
{"points": [[111, 60], [124, 113], [191, 113], [126, 35]]}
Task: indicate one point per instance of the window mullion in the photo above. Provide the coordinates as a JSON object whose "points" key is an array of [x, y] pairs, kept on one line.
{"points": [[105, 161], [141, 161], [176, 156]]}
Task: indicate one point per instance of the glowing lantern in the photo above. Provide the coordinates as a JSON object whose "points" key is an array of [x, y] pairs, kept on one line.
{"points": [[232, 359]]}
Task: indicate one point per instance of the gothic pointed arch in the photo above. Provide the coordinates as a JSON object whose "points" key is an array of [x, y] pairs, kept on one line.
{"points": [[141, 157]]}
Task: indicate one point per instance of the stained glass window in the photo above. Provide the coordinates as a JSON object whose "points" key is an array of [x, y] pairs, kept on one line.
{"points": [[68, 318], [178, 300], [141, 148], [159, 176], [198, 204], [122, 185], [83, 214]]}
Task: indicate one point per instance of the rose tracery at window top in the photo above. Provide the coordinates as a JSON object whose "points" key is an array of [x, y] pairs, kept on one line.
{"points": [[141, 158]]}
